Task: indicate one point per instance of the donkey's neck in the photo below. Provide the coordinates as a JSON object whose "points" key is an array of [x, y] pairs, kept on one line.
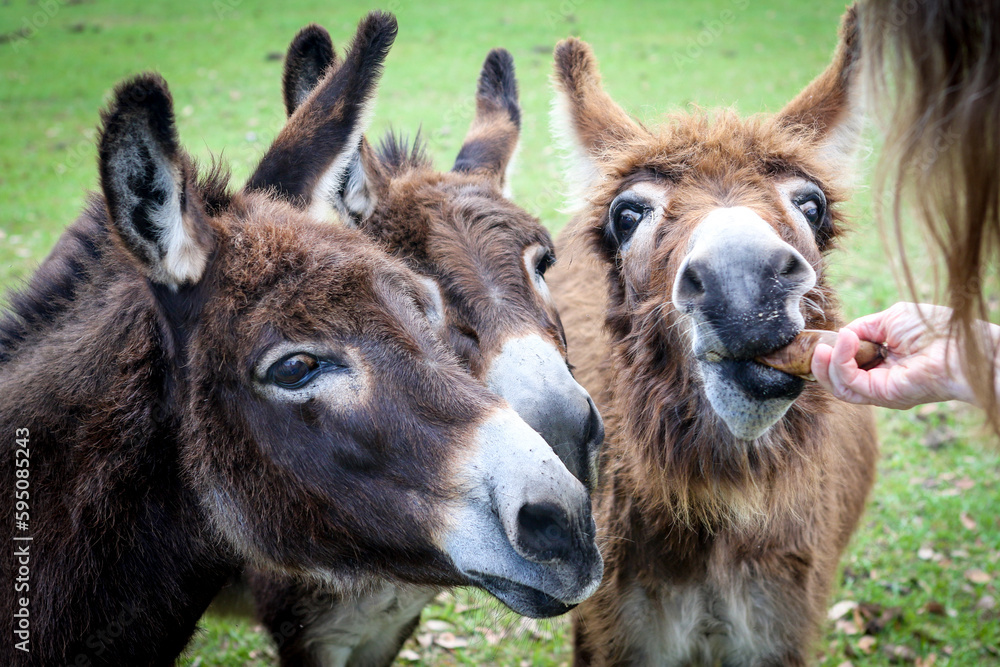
{"points": [[127, 561]]}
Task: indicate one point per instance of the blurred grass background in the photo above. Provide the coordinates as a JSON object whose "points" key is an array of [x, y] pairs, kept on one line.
{"points": [[925, 561]]}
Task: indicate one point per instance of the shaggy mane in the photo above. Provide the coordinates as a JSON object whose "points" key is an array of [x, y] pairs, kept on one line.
{"points": [[397, 153]]}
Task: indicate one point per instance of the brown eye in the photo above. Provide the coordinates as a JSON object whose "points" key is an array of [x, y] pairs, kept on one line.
{"points": [[626, 214], [813, 207], [545, 262], [294, 371]]}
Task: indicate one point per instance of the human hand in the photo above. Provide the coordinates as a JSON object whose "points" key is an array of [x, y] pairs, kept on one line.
{"points": [[922, 365]]}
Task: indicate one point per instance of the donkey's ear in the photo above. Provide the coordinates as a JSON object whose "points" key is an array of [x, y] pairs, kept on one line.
{"points": [[319, 151], [585, 120], [310, 56], [491, 142], [832, 105], [144, 176]]}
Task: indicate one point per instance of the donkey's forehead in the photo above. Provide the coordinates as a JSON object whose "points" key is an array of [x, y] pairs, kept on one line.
{"points": [[455, 211], [695, 193], [722, 147], [282, 259]]}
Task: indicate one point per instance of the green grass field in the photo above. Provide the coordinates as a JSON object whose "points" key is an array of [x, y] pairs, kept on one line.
{"points": [[923, 568]]}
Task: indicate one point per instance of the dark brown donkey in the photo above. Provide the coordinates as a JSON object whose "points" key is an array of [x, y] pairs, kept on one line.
{"points": [[199, 380], [485, 258], [728, 490]]}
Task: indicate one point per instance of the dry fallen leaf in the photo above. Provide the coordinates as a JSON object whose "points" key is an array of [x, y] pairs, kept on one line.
{"points": [[492, 638], [927, 662], [847, 627], [425, 640], [867, 644], [986, 603], [965, 484], [449, 641], [409, 655], [968, 521], [878, 618], [841, 609], [934, 607], [435, 625], [899, 654], [977, 576]]}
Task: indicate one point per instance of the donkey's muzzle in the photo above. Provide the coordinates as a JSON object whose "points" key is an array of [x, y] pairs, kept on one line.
{"points": [[525, 531], [741, 286], [532, 376]]}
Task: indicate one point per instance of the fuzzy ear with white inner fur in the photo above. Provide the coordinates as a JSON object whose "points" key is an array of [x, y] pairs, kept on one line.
{"points": [[832, 105], [144, 177], [585, 120], [316, 162], [491, 141]]}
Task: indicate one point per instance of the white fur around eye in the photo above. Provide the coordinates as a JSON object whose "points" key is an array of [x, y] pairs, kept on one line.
{"points": [[339, 388], [532, 255], [787, 189]]}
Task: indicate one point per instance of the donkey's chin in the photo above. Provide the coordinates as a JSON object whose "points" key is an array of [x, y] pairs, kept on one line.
{"points": [[538, 590], [748, 396], [521, 599]]}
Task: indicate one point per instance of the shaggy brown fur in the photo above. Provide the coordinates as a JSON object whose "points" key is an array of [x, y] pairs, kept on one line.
{"points": [[455, 228], [742, 532], [161, 461]]}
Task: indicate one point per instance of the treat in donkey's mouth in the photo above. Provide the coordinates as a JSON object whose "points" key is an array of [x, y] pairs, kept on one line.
{"points": [[796, 357]]}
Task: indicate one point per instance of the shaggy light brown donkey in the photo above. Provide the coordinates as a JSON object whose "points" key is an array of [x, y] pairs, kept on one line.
{"points": [[727, 489]]}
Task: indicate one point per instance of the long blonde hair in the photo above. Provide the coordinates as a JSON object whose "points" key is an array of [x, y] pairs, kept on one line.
{"points": [[934, 73]]}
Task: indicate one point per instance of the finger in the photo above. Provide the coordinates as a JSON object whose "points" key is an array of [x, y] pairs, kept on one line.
{"points": [[820, 366], [846, 347], [846, 378], [871, 327]]}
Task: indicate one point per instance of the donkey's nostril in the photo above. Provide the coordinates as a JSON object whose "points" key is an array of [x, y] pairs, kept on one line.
{"points": [[793, 269], [544, 532], [690, 284], [791, 266]]}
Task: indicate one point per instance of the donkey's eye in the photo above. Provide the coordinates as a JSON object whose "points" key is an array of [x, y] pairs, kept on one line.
{"points": [[626, 214], [294, 371], [813, 207], [545, 261]]}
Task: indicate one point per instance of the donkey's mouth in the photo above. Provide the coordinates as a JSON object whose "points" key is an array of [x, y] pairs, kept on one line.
{"points": [[749, 396], [760, 382], [521, 599]]}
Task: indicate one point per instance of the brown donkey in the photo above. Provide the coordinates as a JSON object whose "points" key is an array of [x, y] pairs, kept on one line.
{"points": [[485, 259], [200, 380], [728, 490]]}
